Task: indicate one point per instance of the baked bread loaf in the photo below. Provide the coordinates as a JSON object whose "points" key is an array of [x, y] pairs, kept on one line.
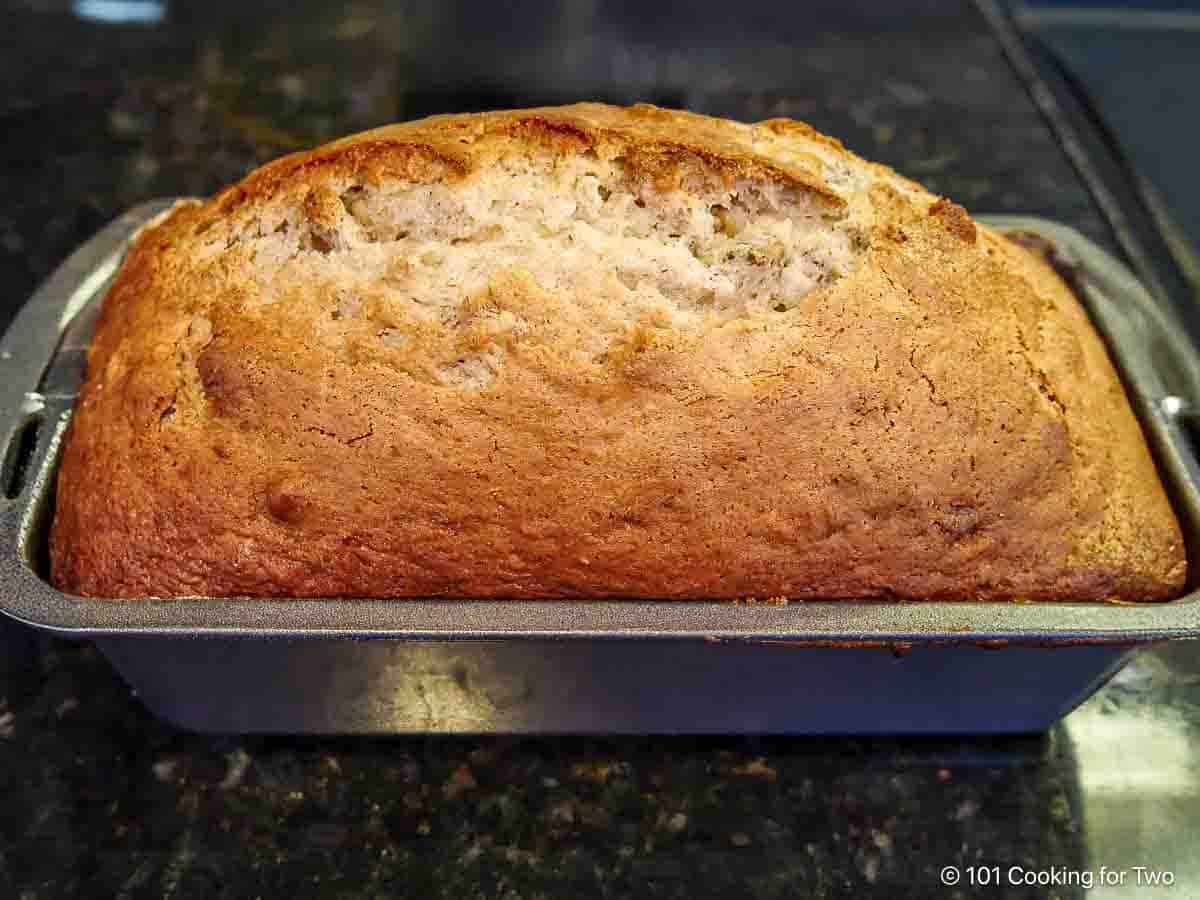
{"points": [[599, 352]]}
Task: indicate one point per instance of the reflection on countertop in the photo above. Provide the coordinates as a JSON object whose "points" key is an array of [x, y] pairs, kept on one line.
{"points": [[109, 103], [1135, 746]]}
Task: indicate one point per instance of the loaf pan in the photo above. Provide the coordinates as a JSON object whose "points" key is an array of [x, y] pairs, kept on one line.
{"points": [[420, 665]]}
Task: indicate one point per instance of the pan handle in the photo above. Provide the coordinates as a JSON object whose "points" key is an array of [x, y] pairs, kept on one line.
{"points": [[38, 330]]}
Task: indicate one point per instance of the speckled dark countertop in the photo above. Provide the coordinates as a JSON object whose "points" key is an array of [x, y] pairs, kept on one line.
{"points": [[100, 799]]}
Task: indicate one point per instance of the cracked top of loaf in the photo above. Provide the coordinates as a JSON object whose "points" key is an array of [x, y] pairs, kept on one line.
{"points": [[599, 352]]}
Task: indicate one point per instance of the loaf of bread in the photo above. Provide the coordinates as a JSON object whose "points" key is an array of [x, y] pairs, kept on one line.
{"points": [[597, 352]]}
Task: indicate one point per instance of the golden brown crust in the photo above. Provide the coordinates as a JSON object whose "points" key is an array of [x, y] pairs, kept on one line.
{"points": [[939, 422]]}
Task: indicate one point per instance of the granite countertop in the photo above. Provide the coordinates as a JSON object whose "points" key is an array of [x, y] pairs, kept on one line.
{"points": [[104, 800]]}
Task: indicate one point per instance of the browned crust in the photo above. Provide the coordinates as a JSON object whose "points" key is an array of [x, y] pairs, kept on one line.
{"points": [[940, 423]]}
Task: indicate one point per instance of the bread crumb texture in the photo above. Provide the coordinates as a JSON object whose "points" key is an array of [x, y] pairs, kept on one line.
{"points": [[599, 352]]}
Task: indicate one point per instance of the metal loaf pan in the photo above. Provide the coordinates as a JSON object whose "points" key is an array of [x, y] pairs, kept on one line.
{"points": [[360, 666]]}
